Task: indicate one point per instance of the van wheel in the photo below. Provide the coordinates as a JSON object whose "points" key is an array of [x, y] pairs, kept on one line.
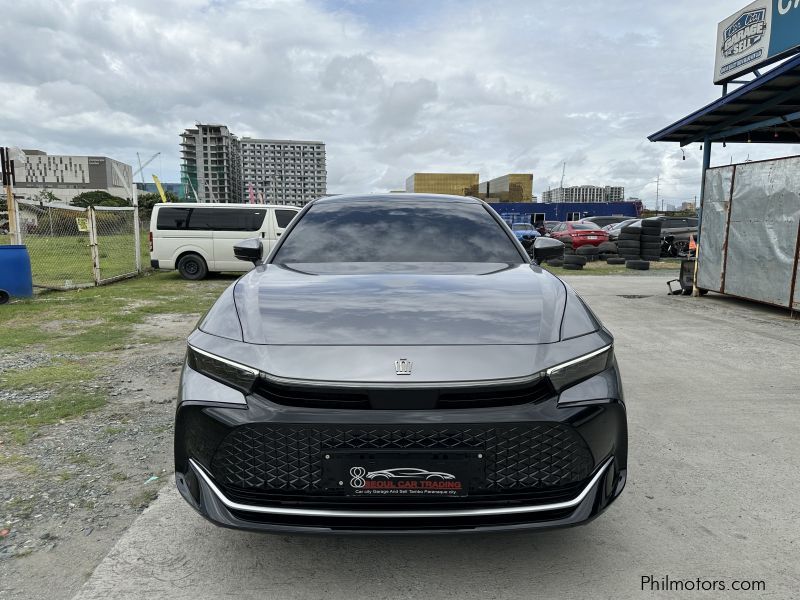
{"points": [[193, 267]]}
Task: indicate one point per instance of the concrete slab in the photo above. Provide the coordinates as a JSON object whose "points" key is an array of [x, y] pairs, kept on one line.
{"points": [[712, 389]]}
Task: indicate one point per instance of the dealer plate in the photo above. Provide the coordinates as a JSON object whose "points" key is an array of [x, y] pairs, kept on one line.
{"points": [[392, 474]]}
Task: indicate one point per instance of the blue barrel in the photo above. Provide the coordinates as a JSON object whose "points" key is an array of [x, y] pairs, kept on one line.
{"points": [[15, 273]]}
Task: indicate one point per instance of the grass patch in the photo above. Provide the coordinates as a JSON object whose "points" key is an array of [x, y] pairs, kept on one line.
{"points": [[101, 319], [49, 376], [83, 459], [62, 406], [23, 464], [119, 476], [21, 507], [144, 498], [113, 430], [58, 259]]}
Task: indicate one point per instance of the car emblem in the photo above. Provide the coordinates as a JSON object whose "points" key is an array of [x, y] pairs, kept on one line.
{"points": [[402, 366]]}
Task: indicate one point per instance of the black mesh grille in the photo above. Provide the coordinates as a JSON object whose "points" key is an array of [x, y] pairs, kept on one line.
{"points": [[288, 459], [399, 398]]}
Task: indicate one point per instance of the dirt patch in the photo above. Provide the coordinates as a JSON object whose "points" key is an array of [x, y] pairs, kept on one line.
{"points": [[82, 482], [70, 326], [133, 305], [25, 360], [165, 326]]}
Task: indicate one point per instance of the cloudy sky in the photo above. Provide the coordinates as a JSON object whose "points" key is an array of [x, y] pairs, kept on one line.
{"points": [[391, 86]]}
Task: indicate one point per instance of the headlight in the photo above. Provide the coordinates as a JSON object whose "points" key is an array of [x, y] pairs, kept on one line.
{"points": [[574, 371], [223, 370]]}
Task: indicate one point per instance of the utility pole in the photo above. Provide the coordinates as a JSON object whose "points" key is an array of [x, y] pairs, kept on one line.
{"points": [[561, 192], [658, 185]]}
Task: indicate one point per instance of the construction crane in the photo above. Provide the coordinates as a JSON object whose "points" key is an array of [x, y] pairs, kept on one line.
{"points": [[142, 166]]}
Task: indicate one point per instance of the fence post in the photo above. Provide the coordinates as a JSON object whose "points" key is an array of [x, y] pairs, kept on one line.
{"points": [[136, 233], [93, 245], [13, 221]]}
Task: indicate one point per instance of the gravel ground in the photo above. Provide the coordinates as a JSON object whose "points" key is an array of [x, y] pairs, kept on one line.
{"points": [[85, 480]]}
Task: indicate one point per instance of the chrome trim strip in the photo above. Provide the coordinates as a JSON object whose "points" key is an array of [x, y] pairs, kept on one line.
{"points": [[575, 361], [236, 365], [401, 384], [406, 514]]}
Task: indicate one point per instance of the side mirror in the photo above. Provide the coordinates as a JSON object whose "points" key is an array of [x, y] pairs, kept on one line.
{"points": [[249, 250], [527, 241], [545, 248]]}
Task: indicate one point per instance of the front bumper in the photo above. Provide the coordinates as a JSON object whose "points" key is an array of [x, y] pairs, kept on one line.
{"points": [[256, 466]]}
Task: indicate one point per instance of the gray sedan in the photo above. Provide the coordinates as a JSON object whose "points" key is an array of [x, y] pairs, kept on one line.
{"points": [[405, 334]]}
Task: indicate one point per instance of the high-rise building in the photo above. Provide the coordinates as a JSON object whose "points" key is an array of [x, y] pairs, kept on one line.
{"points": [[283, 171], [585, 193], [67, 176], [514, 187], [457, 184], [211, 164]]}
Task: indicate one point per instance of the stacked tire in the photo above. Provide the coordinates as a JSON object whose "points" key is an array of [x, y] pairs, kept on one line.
{"points": [[607, 250], [574, 262], [590, 253], [628, 243], [650, 240]]}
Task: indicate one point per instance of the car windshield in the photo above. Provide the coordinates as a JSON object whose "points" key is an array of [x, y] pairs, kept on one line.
{"points": [[625, 223], [363, 230], [584, 226]]}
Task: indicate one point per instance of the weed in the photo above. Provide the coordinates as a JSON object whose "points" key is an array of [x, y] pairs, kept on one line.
{"points": [[143, 499]]}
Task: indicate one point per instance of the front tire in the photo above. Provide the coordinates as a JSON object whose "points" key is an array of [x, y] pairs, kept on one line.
{"points": [[192, 267]]}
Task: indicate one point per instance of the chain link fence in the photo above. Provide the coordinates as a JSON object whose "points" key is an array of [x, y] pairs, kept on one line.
{"points": [[116, 243], [73, 247]]}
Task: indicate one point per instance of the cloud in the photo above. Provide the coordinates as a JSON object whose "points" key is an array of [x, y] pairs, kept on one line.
{"points": [[392, 88]]}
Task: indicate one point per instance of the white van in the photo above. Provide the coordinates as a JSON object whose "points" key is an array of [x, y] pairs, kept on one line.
{"points": [[198, 239]]}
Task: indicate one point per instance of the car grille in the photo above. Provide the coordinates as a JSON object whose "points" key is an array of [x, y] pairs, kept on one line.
{"points": [[286, 460], [398, 399]]}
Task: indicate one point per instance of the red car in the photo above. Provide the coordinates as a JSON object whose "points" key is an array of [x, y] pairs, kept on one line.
{"points": [[581, 234]]}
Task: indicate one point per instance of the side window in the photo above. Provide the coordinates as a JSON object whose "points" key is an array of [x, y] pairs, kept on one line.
{"points": [[170, 219], [674, 223], [207, 219], [232, 219], [284, 217]]}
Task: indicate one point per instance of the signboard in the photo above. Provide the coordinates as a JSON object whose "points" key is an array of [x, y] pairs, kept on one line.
{"points": [[761, 33], [83, 223]]}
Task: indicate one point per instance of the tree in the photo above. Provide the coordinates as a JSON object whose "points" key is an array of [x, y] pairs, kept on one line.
{"points": [[148, 200], [98, 198], [46, 196]]}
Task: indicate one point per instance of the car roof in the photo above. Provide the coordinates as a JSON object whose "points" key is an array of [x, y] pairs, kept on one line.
{"points": [[398, 197], [222, 205]]}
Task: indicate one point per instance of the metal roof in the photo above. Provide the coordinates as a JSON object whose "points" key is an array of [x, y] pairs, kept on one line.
{"points": [[754, 112]]}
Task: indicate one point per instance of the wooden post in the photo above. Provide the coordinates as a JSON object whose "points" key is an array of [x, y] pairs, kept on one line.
{"points": [[93, 245], [7, 167]]}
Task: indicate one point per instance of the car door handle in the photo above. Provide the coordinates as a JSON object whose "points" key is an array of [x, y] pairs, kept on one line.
{"points": [[279, 234]]}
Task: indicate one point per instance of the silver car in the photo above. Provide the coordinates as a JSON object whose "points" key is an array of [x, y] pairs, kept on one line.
{"points": [[402, 334]]}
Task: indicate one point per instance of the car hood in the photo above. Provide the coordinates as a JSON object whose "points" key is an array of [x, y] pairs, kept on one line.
{"points": [[376, 304]]}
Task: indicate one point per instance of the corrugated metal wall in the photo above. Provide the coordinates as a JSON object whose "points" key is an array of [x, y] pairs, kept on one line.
{"points": [[749, 235]]}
